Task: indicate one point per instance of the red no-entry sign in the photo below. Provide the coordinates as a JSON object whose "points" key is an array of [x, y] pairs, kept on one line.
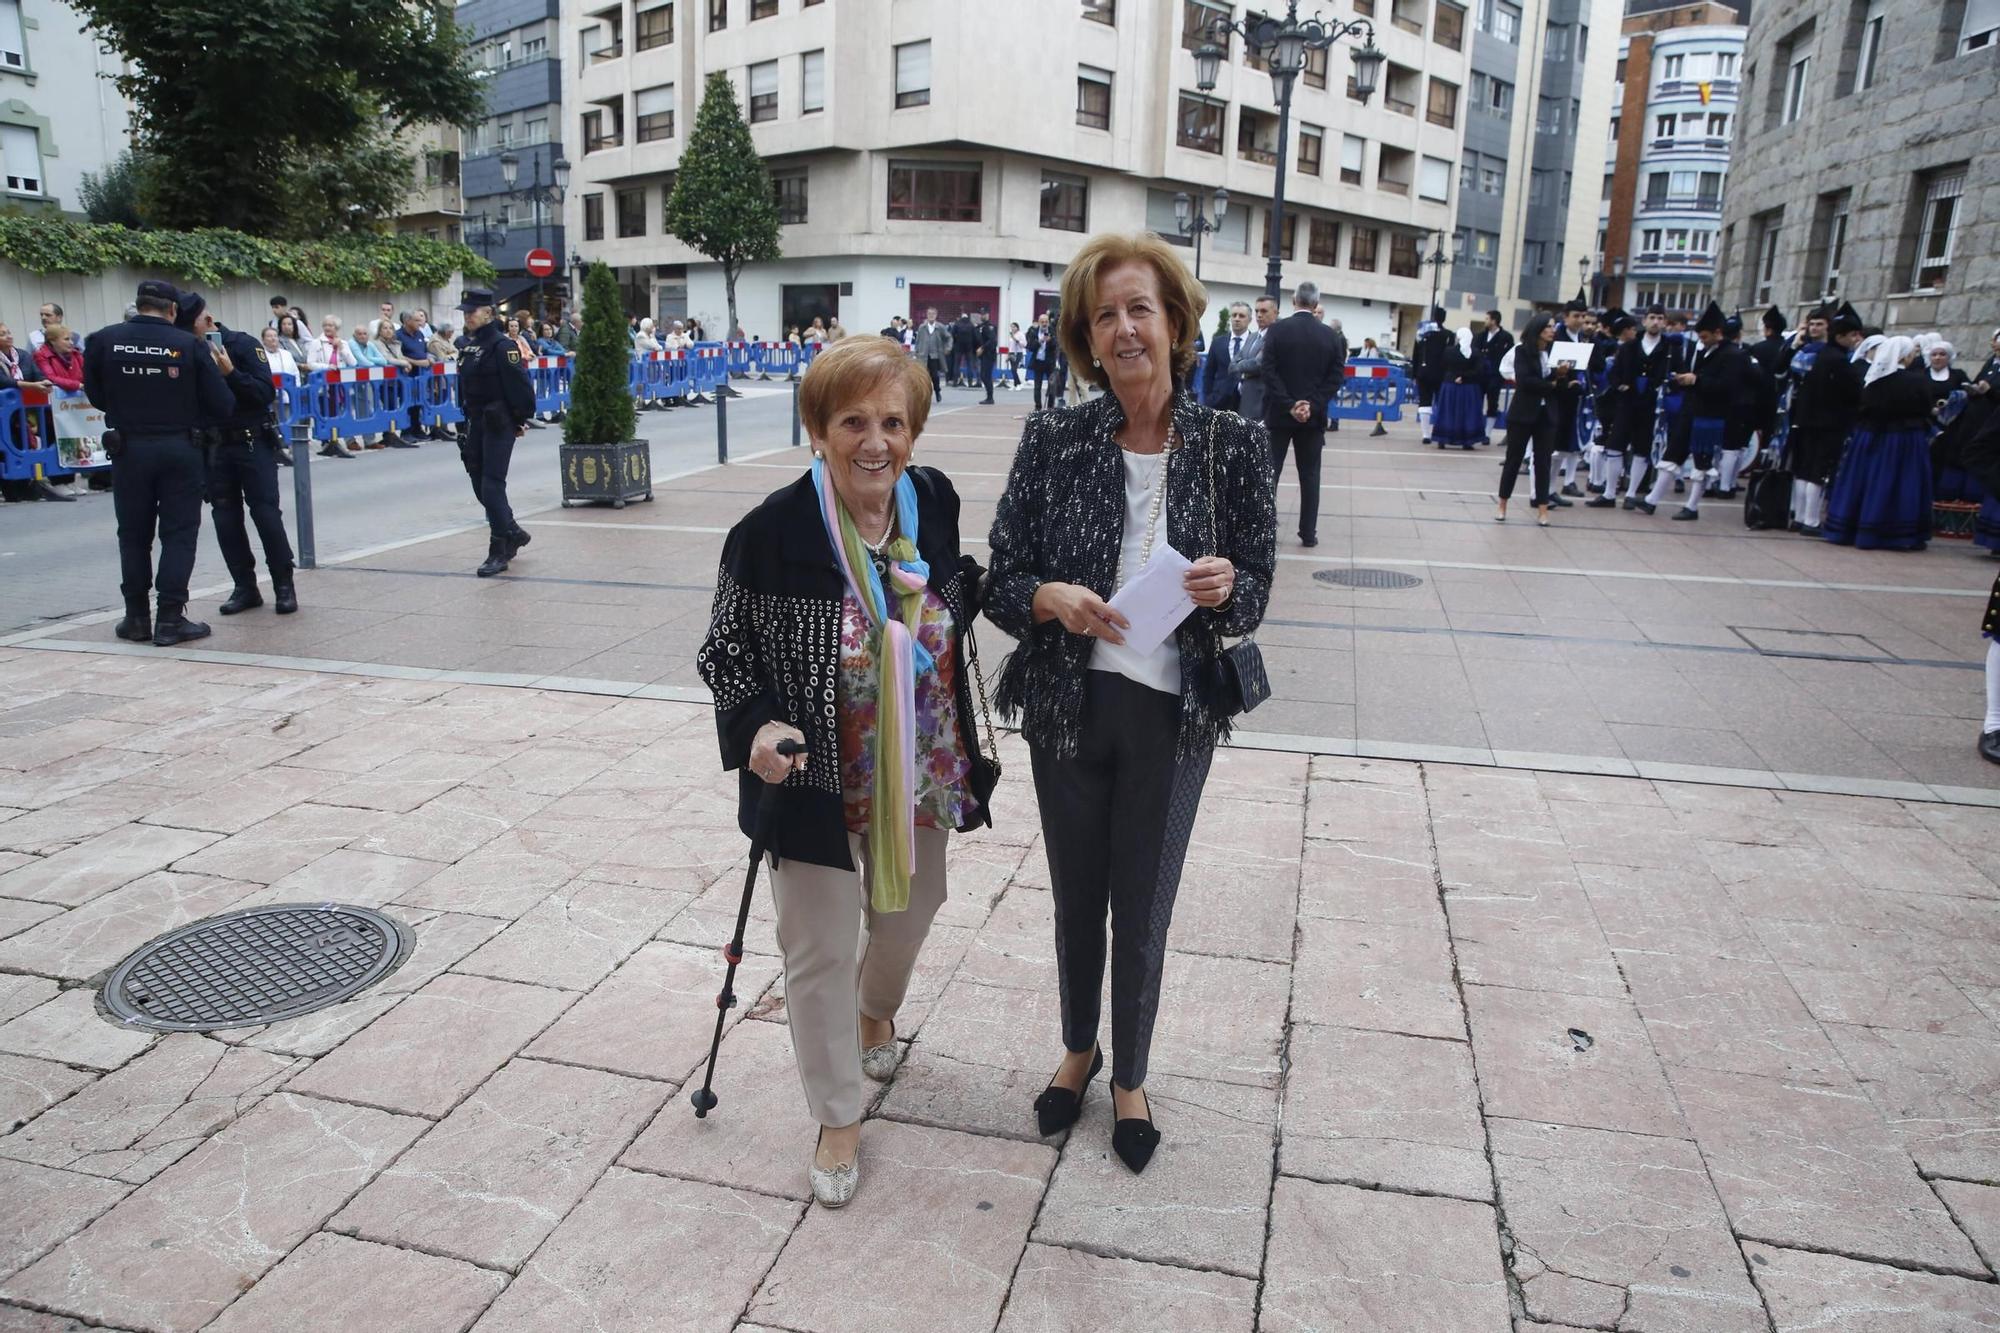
{"points": [[540, 263]]}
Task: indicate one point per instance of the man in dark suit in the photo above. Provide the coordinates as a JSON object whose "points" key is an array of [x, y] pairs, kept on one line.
{"points": [[964, 346], [1220, 388], [1488, 346], [1302, 373], [1038, 333]]}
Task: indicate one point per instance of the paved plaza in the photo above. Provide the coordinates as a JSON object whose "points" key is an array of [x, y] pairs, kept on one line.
{"points": [[1603, 933]]}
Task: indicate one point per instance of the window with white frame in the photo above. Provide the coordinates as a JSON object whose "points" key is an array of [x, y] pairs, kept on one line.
{"points": [[653, 113], [1796, 73], [1701, 242], [913, 74], [1938, 229], [764, 91], [13, 48], [1663, 127], [1980, 27], [1671, 66], [21, 148], [1770, 229], [1718, 125], [1468, 172], [812, 82], [1093, 97], [1353, 153], [1725, 64], [1836, 248], [1649, 241], [1434, 179], [1558, 47], [1868, 60]]}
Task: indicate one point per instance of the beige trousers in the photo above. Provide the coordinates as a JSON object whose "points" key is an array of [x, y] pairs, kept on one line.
{"points": [[844, 959]]}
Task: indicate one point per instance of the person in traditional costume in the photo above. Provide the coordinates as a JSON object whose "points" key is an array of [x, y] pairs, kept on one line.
{"points": [[1825, 401], [1881, 494], [1706, 385], [1458, 412]]}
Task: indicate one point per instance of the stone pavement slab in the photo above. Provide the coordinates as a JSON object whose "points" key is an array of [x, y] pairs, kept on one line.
{"points": [[1818, 1291], [1056, 1290], [180, 1248], [643, 1251], [966, 1203], [332, 1284], [493, 1178], [1368, 1260]]}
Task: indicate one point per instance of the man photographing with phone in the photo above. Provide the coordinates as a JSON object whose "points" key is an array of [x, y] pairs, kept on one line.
{"points": [[242, 457], [154, 382]]}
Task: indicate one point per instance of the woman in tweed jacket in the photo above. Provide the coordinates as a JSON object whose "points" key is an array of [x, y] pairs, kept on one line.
{"points": [[1120, 735]]}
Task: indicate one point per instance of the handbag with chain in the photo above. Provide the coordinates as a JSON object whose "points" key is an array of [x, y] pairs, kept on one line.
{"points": [[1239, 682], [984, 772]]}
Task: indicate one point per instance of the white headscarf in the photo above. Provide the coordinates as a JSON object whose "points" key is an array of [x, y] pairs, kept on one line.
{"points": [[1888, 358], [1949, 351], [1866, 348], [1465, 343]]}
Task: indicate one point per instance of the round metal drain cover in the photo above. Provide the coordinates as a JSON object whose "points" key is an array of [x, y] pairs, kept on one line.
{"points": [[255, 966], [1368, 578]]}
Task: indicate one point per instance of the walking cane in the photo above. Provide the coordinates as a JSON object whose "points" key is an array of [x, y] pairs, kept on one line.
{"points": [[704, 1097]]}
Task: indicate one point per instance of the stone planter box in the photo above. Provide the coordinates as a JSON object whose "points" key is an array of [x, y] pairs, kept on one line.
{"points": [[606, 473]]}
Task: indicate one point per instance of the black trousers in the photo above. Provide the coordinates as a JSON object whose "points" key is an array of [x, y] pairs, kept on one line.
{"points": [[1310, 439], [1116, 817], [986, 375], [486, 448], [1036, 374], [937, 378], [240, 475], [1543, 436], [156, 489]]}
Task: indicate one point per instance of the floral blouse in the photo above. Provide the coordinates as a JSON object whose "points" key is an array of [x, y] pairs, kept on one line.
{"points": [[944, 799]]}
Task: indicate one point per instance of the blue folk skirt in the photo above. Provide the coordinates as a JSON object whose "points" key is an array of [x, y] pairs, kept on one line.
{"points": [[1881, 496], [1459, 416]]}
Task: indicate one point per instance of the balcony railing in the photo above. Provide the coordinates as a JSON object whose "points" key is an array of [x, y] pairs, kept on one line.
{"points": [[1692, 88], [1399, 106], [615, 139], [1670, 143], [1266, 156], [1394, 187], [604, 53], [1682, 203], [1676, 259]]}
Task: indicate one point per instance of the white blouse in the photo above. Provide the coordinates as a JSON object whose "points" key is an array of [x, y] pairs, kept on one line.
{"points": [[1161, 668]]}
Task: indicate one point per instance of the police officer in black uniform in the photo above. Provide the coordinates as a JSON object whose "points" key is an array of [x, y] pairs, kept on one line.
{"points": [[243, 465], [154, 382], [499, 401]]}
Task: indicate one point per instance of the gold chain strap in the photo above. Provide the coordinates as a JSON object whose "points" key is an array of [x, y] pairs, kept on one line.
{"points": [[985, 709]]}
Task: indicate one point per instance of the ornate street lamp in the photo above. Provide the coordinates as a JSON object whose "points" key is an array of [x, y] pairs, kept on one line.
{"points": [[1282, 44], [1190, 219], [1437, 261], [536, 194], [1583, 280]]}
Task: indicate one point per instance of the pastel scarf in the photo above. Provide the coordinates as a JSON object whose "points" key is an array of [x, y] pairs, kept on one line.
{"points": [[899, 658]]}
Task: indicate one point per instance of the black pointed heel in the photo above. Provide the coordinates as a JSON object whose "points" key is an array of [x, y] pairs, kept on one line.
{"points": [[1059, 1108], [1134, 1139]]}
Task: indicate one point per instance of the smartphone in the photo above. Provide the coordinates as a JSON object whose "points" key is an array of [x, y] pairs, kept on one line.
{"points": [[214, 339]]}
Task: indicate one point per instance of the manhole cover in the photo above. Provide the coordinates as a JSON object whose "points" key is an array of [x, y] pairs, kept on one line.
{"points": [[255, 966], [1368, 578]]}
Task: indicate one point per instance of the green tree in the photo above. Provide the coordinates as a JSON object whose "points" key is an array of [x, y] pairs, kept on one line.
{"points": [[722, 204], [114, 194], [600, 405], [281, 119]]}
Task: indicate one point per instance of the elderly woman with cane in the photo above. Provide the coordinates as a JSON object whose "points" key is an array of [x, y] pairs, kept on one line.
{"points": [[1120, 733], [840, 621]]}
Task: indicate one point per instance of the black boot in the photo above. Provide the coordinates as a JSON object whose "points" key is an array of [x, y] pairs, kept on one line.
{"points": [[171, 627], [137, 626], [516, 540], [284, 594], [243, 598], [496, 559]]}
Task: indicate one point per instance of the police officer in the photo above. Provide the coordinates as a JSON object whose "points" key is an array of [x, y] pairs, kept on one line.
{"points": [[499, 401], [243, 465], [154, 382]]}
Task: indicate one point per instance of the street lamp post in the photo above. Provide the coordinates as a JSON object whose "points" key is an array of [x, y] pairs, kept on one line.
{"points": [[536, 194], [1282, 44], [1191, 220], [486, 234], [1583, 278], [1437, 261]]}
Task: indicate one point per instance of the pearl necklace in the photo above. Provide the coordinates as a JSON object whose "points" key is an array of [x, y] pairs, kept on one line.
{"points": [[879, 548], [1158, 486]]}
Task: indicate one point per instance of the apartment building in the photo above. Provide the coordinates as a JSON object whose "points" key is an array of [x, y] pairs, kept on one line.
{"points": [[1526, 222], [928, 153], [516, 44], [60, 116], [1679, 73], [1862, 166]]}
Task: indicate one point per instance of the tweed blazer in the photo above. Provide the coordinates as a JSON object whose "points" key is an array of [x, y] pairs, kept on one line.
{"points": [[772, 653], [1061, 519]]}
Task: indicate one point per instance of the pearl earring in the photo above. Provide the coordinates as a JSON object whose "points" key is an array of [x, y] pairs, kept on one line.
{"points": [[1095, 362]]}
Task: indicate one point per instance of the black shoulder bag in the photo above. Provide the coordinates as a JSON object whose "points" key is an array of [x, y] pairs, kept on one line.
{"points": [[1239, 682]]}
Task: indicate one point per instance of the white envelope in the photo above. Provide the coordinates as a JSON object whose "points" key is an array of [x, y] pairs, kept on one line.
{"points": [[1155, 600]]}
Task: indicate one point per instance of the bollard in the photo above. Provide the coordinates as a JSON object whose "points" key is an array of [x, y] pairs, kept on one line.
{"points": [[1380, 429], [302, 490], [722, 428], [795, 414]]}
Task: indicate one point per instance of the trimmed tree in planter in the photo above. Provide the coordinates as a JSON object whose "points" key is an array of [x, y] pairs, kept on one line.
{"points": [[722, 205], [601, 458]]}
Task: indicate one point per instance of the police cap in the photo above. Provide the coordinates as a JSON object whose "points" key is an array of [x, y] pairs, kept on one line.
{"points": [[155, 292], [191, 305], [475, 298]]}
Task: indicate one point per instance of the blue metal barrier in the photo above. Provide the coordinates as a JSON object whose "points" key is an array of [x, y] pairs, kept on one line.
{"points": [[777, 360], [365, 401], [437, 394], [27, 435], [708, 368], [1371, 391], [550, 376], [675, 377], [739, 359]]}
